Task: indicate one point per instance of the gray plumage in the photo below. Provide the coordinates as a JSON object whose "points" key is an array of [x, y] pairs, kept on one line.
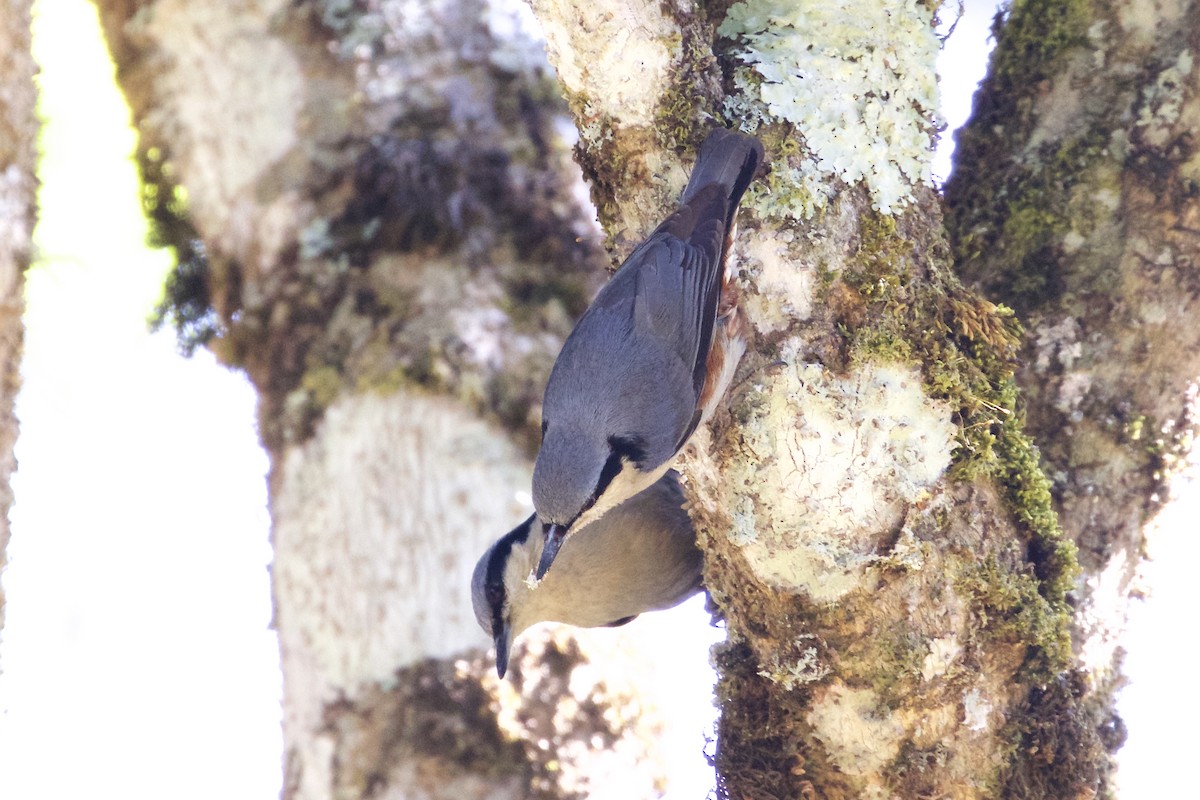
{"points": [[639, 557], [627, 389]]}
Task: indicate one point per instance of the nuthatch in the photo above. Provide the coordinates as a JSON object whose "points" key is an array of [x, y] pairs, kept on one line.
{"points": [[641, 556], [650, 358]]}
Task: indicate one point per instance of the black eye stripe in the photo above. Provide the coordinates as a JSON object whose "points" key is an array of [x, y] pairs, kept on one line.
{"points": [[494, 593], [493, 585], [633, 448], [497, 623], [627, 448], [611, 467]]}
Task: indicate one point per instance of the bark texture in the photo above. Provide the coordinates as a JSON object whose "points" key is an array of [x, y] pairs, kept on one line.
{"points": [[1074, 199], [377, 220], [879, 537], [18, 191]]}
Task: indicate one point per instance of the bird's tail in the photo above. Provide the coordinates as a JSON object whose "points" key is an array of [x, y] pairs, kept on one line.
{"points": [[729, 159]]}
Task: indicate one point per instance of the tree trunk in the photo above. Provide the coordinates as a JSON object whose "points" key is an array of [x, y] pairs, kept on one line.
{"points": [[1074, 200], [376, 219], [18, 189], [880, 538]]}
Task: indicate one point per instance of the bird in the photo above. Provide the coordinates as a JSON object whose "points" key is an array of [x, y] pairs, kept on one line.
{"points": [[641, 556], [650, 358]]}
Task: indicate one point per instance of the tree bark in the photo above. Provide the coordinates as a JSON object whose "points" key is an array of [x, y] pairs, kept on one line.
{"points": [[1074, 200], [879, 537], [18, 204], [1085, 150], [376, 219]]}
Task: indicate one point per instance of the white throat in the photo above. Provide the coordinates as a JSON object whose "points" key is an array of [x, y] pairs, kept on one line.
{"points": [[628, 482]]}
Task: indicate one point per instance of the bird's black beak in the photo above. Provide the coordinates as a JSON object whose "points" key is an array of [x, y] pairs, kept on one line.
{"points": [[501, 639], [554, 539]]}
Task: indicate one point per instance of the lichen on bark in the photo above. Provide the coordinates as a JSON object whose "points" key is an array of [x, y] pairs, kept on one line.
{"points": [[1073, 172], [1071, 193], [843, 298], [919, 602], [393, 250]]}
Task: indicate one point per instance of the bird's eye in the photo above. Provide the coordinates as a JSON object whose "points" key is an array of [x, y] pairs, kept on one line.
{"points": [[631, 448], [494, 592]]}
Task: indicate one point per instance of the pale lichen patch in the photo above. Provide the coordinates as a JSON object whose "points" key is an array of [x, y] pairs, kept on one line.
{"points": [[253, 127], [1072, 391], [15, 189], [1058, 342], [804, 668], [855, 78], [623, 61], [976, 710], [277, 227], [1101, 620], [1163, 101], [450, 479], [1142, 20], [784, 286], [839, 460], [858, 732], [942, 654], [1058, 109]]}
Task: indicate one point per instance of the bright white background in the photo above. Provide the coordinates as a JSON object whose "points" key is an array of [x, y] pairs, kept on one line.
{"points": [[137, 658]]}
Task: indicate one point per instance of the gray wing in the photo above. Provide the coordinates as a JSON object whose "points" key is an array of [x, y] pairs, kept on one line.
{"points": [[671, 284], [656, 316], [673, 280]]}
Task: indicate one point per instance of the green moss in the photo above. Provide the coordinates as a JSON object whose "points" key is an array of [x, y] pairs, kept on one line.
{"points": [[1008, 203], [1009, 606], [679, 118], [966, 346], [1034, 36], [892, 660], [186, 304], [1007, 216], [380, 373], [602, 162], [1135, 428], [1011, 235], [323, 385], [878, 344], [1054, 556]]}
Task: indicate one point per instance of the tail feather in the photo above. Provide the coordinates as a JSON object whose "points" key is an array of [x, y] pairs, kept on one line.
{"points": [[729, 159]]}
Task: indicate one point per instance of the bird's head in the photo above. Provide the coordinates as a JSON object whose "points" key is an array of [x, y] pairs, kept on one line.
{"points": [[579, 475], [498, 587], [640, 557], [507, 602]]}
